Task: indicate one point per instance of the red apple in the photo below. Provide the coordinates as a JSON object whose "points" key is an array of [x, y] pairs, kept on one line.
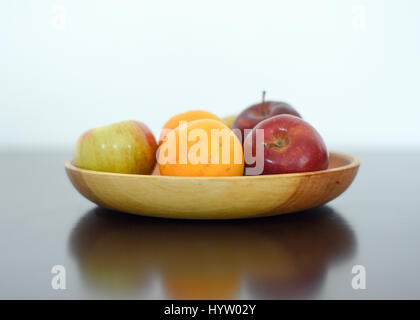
{"points": [[256, 113], [290, 145]]}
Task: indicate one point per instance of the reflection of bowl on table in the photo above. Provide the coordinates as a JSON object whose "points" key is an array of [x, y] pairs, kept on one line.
{"points": [[210, 259]]}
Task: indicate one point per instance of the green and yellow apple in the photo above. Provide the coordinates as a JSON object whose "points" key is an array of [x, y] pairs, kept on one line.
{"points": [[123, 147], [228, 120]]}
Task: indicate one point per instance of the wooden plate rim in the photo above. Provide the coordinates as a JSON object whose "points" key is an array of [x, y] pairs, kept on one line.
{"points": [[353, 163]]}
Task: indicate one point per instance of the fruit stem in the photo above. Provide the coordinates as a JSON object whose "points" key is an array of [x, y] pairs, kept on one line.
{"points": [[263, 96]]}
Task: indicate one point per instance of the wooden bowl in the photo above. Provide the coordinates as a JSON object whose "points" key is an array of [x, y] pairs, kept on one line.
{"points": [[215, 197]]}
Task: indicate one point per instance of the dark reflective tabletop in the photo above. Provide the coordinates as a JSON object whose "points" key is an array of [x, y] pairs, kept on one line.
{"points": [[308, 255]]}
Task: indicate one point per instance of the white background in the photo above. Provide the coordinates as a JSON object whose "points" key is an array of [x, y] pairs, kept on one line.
{"points": [[351, 68]]}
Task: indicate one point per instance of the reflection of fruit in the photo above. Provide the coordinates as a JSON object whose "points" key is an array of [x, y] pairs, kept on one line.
{"points": [[276, 257], [206, 286], [278, 285], [228, 120], [125, 270], [191, 150], [256, 113], [111, 255], [188, 116], [123, 147], [290, 145], [202, 264]]}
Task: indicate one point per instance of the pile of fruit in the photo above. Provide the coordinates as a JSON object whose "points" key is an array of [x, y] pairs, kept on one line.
{"points": [[266, 138]]}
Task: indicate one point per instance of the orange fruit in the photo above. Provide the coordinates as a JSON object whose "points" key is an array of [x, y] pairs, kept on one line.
{"points": [[202, 287], [191, 115], [201, 148]]}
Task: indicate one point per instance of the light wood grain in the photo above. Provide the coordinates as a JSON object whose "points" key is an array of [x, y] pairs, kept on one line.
{"points": [[215, 197]]}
